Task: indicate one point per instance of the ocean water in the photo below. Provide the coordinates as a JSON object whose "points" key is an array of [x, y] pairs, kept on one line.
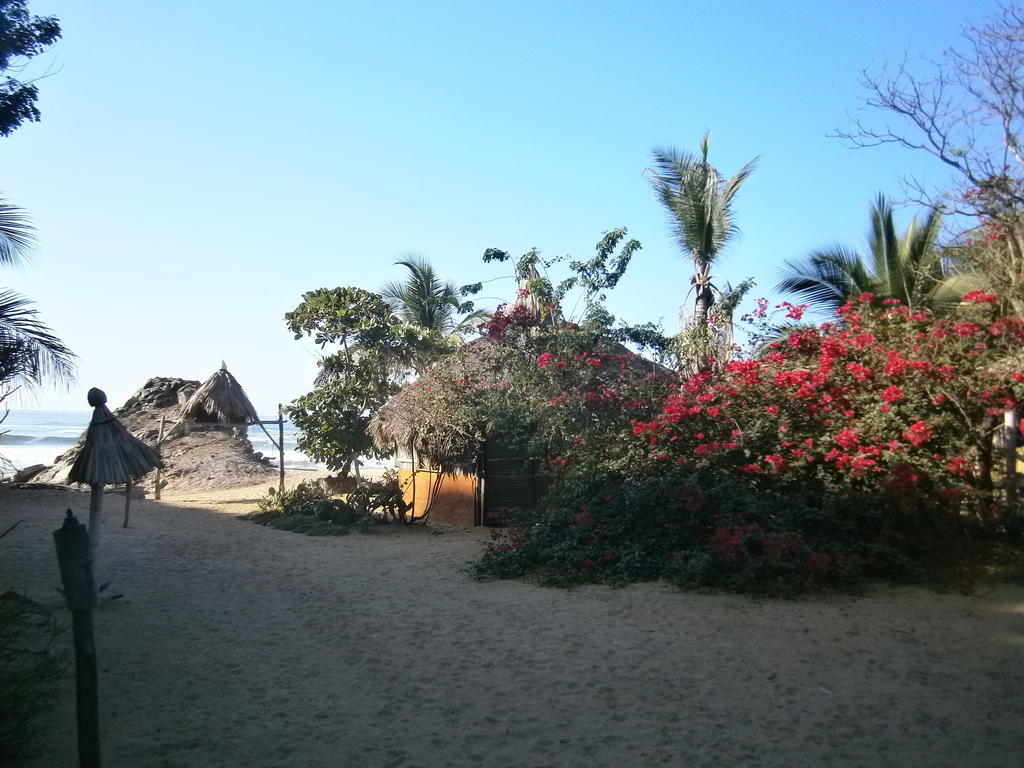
{"points": [[38, 437]]}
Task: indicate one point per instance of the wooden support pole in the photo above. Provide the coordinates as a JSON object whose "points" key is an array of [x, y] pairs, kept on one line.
{"points": [[95, 516], [280, 445], [1011, 430], [127, 503], [75, 557], [159, 442]]}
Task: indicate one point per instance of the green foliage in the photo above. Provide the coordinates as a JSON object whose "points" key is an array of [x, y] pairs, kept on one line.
{"points": [[334, 417], [426, 302], [30, 353], [376, 351], [699, 202], [308, 509], [606, 268], [382, 497], [22, 36], [907, 267], [30, 668]]}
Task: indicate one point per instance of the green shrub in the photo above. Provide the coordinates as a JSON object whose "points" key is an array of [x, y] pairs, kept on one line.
{"points": [[308, 509], [382, 497]]}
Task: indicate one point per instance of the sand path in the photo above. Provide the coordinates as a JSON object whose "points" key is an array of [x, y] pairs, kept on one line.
{"points": [[238, 645]]}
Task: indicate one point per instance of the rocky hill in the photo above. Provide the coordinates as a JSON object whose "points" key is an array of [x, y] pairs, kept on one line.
{"points": [[195, 456]]}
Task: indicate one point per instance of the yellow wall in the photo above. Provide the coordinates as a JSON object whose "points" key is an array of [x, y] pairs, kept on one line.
{"points": [[454, 496]]}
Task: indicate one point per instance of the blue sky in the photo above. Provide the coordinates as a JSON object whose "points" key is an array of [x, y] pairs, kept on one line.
{"points": [[200, 165]]}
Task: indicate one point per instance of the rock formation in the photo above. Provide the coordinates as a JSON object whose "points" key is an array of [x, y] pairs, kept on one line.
{"points": [[194, 456]]}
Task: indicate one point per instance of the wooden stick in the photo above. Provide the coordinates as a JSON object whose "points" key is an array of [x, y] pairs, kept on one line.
{"points": [[159, 441], [95, 517], [280, 445], [127, 503], [1011, 429], [86, 690]]}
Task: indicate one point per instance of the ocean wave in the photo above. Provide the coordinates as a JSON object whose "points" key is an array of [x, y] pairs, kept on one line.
{"points": [[10, 438]]}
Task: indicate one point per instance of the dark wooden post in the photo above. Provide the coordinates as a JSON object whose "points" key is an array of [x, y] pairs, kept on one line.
{"points": [[127, 502], [1011, 430], [159, 441], [280, 445], [74, 555], [95, 515]]}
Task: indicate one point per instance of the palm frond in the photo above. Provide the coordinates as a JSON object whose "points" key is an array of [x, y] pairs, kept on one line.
{"points": [[17, 236], [29, 351], [423, 299], [826, 278]]}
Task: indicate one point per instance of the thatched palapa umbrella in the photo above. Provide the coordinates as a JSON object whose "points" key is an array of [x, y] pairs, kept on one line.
{"points": [[219, 400], [111, 456]]}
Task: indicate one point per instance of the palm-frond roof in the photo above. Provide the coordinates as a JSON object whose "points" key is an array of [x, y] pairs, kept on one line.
{"points": [[221, 400], [111, 455]]}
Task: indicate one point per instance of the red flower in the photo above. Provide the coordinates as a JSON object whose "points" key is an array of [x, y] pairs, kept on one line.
{"points": [[543, 359], [847, 439], [895, 363], [919, 433], [893, 394], [980, 297], [966, 329], [866, 298], [959, 466], [860, 373]]}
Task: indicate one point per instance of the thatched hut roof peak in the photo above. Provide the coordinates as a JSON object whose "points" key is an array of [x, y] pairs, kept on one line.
{"points": [[221, 400]]}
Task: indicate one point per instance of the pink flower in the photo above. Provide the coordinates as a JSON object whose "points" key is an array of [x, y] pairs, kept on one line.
{"points": [[794, 311]]}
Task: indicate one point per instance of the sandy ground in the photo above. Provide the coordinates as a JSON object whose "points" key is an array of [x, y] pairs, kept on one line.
{"points": [[238, 645]]}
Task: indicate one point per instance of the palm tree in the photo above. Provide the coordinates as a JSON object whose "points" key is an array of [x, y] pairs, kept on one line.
{"points": [[907, 267], [424, 300], [699, 202], [29, 352]]}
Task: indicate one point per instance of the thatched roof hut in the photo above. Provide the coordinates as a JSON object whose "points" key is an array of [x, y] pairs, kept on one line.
{"points": [[421, 418], [219, 400], [111, 455]]}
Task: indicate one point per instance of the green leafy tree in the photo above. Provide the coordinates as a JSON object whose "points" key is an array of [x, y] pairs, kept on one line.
{"points": [[700, 206], [375, 352], [907, 267], [22, 36], [30, 354]]}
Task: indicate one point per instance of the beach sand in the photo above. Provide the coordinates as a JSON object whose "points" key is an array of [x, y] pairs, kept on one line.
{"points": [[239, 645]]}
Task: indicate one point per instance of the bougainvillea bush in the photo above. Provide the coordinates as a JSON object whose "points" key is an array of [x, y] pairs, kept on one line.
{"points": [[860, 447]]}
